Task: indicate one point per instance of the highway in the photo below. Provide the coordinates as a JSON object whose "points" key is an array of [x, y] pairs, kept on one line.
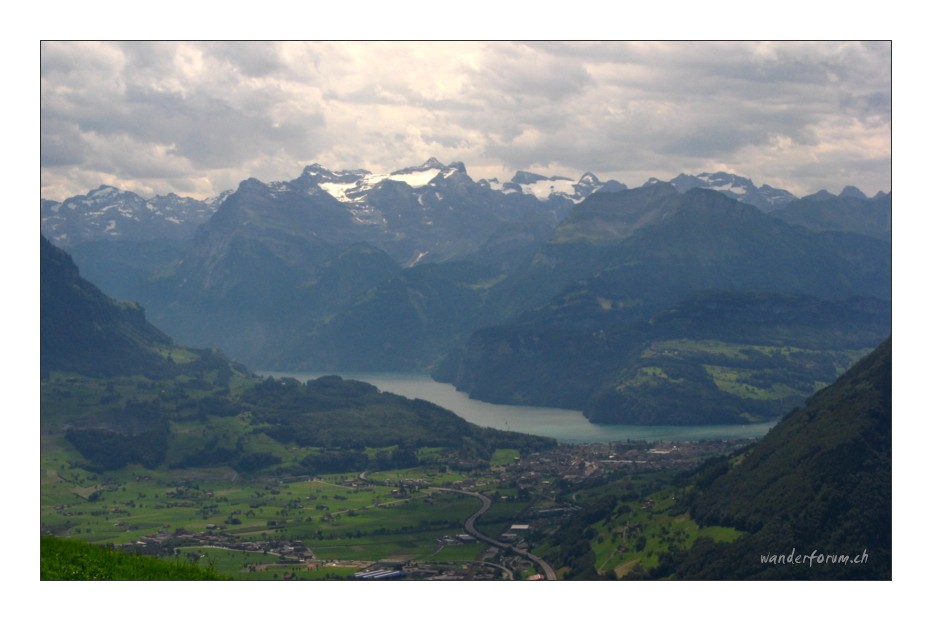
{"points": [[470, 527]]}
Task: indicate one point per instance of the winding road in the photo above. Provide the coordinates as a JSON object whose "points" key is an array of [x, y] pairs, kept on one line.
{"points": [[470, 527], [472, 530]]}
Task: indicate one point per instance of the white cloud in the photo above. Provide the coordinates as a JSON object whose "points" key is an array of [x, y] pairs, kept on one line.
{"points": [[177, 116]]}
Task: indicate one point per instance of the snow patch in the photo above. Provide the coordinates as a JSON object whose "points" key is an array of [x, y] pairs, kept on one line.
{"points": [[338, 190], [416, 179], [544, 188], [730, 187], [279, 187], [355, 191]]}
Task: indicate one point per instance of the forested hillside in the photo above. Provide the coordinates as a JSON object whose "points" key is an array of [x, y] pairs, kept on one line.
{"points": [[819, 482]]}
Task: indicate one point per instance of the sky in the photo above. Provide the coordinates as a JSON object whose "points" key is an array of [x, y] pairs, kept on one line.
{"points": [[196, 118]]}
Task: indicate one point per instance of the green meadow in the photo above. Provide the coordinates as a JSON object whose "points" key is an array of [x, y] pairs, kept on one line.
{"points": [[339, 517]]}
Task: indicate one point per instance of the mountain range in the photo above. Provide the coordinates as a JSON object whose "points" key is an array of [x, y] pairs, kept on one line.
{"points": [[566, 285], [108, 213], [630, 270]]}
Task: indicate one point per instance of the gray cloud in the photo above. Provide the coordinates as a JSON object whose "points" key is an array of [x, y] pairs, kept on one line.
{"points": [[250, 58], [197, 117]]}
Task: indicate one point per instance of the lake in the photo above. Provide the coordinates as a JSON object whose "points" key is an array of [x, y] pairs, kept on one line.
{"points": [[564, 425]]}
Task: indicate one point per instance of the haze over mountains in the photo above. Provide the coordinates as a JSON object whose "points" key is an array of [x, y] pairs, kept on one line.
{"points": [[538, 290], [96, 342], [109, 213]]}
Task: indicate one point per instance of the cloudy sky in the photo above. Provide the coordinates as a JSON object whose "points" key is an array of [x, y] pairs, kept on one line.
{"points": [[196, 118]]}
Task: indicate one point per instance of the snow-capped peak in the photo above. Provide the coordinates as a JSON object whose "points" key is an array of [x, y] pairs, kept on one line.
{"points": [[740, 188], [557, 187], [354, 186], [431, 164], [317, 173], [103, 191], [108, 213]]}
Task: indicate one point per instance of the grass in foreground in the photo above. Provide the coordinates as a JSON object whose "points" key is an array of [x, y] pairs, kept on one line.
{"points": [[64, 559]]}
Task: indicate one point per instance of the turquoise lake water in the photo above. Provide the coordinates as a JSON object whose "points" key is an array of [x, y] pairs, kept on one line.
{"points": [[564, 425]]}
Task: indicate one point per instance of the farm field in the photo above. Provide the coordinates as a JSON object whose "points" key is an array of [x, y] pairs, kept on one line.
{"points": [[338, 518], [329, 527]]}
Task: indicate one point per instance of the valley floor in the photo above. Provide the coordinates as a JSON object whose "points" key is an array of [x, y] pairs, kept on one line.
{"points": [[414, 524]]}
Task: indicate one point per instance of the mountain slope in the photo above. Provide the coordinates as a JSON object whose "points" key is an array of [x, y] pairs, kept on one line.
{"points": [[561, 193], [850, 212], [255, 277], [818, 481], [110, 214], [431, 212], [717, 357], [765, 198], [622, 258], [83, 331], [734, 356], [405, 322], [242, 281], [93, 352], [644, 249]]}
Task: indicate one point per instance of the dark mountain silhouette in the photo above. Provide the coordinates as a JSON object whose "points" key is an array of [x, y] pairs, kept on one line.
{"points": [[84, 331]]}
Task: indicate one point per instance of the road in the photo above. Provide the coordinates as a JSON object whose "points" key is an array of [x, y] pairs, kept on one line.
{"points": [[472, 530], [470, 527]]}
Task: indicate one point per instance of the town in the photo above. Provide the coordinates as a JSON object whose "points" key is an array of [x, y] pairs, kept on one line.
{"points": [[522, 498]]}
